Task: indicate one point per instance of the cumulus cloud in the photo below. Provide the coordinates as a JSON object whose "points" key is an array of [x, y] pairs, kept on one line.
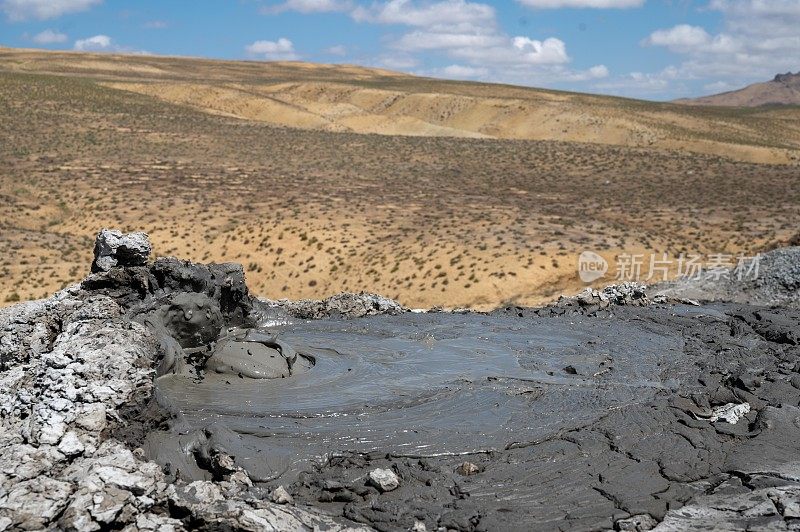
{"points": [[49, 37], [686, 39], [98, 43], [458, 42], [680, 37], [759, 38], [549, 51], [280, 50], [595, 72], [19, 10], [595, 4], [104, 43], [464, 31], [309, 6], [642, 83]]}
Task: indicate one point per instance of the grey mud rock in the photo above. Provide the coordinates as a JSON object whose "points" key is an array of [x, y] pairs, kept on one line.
{"points": [[113, 248], [384, 479], [772, 279], [346, 305], [636, 523], [76, 377], [467, 468], [281, 496]]}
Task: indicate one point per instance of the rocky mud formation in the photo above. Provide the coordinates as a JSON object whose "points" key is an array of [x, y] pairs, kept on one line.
{"points": [[340, 305], [774, 280], [76, 379], [613, 409]]}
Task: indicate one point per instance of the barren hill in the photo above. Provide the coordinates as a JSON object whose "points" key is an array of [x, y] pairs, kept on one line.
{"points": [[340, 98], [783, 89]]}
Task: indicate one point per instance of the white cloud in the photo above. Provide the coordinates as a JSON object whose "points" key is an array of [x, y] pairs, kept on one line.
{"points": [[49, 37], [550, 51], [463, 31], [432, 40], [445, 13], [759, 38], [339, 49], [309, 6], [464, 72], [680, 37], [280, 50], [19, 10], [595, 72], [98, 43], [687, 39], [595, 4], [104, 43], [487, 50], [642, 83]]}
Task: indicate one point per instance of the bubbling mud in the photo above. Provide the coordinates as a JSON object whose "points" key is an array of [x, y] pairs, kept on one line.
{"points": [[416, 385], [257, 355]]}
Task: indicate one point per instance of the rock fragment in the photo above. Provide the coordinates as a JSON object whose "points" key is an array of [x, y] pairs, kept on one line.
{"points": [[636, 523], [347, 305], [384, 479], [729, 412], [70, 445], [113, 248], [467, 468], [281, 496]]}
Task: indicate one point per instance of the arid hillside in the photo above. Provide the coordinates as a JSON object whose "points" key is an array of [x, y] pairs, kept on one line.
{"points": [[783, 89], [428, 220], [343, 98]]}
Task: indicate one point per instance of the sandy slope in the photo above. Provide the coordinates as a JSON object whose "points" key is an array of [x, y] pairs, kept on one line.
{"points": [[364, 100]]}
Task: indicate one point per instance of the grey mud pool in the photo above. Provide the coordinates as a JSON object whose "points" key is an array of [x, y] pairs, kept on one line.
{"points": [[518, 419], [416, 385]]}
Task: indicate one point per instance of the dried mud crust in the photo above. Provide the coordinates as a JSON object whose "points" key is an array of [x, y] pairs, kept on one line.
{"points": [[776, 282], [76, 385], [660, 460], [76, 389]]}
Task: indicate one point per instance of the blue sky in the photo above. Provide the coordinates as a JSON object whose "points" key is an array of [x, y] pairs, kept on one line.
{"points": [[653, 49]]}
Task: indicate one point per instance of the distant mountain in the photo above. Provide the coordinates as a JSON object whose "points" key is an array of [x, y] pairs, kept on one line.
{"points": [[784, 89]]}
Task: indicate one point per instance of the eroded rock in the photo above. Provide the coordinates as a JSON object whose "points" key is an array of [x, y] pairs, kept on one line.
{"points": [[113, 248], [74, 366], [384, 479]]}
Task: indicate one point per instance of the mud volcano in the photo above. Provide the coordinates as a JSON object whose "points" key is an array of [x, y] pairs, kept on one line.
{"points": [[604, 411]]}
